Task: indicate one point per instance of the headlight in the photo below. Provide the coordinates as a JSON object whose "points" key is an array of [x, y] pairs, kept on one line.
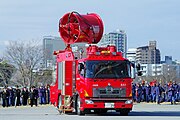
{"points": [[128, 102], [89, 102]]}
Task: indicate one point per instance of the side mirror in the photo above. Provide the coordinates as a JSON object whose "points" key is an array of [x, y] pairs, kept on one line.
{"points": [[133, 74], [80, 66], [138, 67], [139, 72]]}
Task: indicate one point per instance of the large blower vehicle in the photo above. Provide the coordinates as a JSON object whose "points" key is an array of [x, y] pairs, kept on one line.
{"points": [[90, 79]]}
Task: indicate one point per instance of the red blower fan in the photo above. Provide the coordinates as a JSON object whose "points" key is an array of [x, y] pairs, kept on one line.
{"points": [[74, 28]]}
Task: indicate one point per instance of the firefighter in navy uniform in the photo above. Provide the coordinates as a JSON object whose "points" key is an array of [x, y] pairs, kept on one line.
{"points": [[148, 92], [172, 94], [176, 88], [158, 93], [138, 93], [143, 95]]}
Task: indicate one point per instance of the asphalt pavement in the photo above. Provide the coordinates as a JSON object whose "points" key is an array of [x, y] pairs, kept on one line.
{"points": [[140, 111]]}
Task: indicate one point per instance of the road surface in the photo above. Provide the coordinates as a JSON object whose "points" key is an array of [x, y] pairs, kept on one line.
{"points": [[140, 111]]}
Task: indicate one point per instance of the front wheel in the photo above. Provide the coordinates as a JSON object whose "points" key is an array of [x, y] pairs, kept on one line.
{"points": [[79, 112], [124, 112]]}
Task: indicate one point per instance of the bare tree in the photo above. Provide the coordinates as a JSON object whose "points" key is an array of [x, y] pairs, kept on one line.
{"points": [[26, 57], [169, 73], [6, 71]]}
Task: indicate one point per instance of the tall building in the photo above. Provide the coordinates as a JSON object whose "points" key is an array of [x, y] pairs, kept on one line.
{"points": [[117, 38], [169, 72], [152, 69], [51, 44], [168, 59], [148, 54]]}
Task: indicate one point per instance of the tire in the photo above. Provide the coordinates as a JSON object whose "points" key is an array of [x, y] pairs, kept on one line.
{"points": [[124, 112], [103, 111], [79, 112]]}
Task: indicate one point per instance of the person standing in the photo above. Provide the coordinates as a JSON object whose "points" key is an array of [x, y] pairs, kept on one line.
{"points": [[31, 96], [164, 93], [172, 94], [24, 96], [5, 98], [148, 92], [11, 96], [18, 96], [158, 93], [35, 92], [42, 95], [134, 91], [176, 94], [153, 93], [47, 91], [138, 93], [143, 95]]}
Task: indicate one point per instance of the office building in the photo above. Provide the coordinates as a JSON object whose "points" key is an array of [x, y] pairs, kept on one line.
{"points": [[168, 59], [148, 54], [51, 44], [117, 38]]}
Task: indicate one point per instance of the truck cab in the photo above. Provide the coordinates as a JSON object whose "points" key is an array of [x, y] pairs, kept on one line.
{"points": [[103, 81]]}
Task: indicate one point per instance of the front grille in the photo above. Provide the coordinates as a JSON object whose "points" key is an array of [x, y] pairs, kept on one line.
{"points": [[109, 92]]}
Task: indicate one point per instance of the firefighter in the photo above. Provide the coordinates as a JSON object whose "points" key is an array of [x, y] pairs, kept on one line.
{"points": [[148, 92], [138, 93], [134, 91], [153, 93], [172, 94], [143, 95], [158, 93], [42, 94], [164, 93], [176, 87], [179, 93]]}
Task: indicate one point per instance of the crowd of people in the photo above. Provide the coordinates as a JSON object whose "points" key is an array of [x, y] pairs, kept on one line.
{"points": [[155, 92], [16, 97], [141, 92]]}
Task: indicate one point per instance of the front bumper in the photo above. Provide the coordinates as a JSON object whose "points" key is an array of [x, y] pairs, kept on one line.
{"points": [[108, 104]]}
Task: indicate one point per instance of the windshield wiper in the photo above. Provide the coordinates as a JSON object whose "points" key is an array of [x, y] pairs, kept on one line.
{"points": [[112, 65], [102, 69]]}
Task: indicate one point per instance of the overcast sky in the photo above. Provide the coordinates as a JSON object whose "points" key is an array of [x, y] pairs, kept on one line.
{"points": [[143, 20]]}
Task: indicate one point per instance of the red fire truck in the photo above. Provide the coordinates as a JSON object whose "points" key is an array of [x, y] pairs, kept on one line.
{"points": [[90, 78]]}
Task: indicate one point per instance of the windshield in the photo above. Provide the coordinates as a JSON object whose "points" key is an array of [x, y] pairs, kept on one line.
{"points": [[107, 69]]}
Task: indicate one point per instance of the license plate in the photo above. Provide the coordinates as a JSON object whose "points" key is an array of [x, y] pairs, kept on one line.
{"points": [[109, 105]]}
